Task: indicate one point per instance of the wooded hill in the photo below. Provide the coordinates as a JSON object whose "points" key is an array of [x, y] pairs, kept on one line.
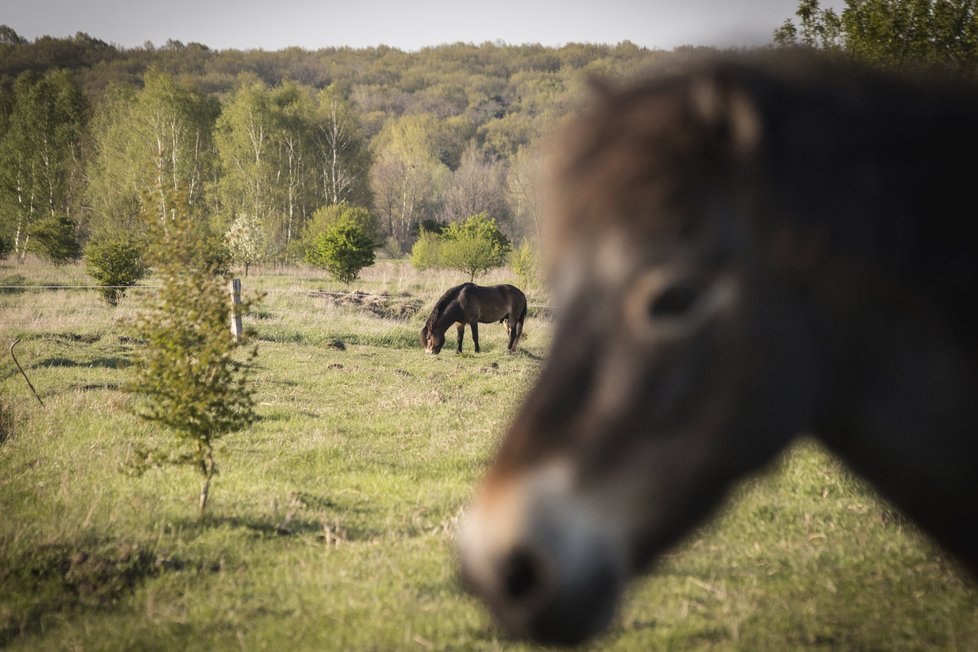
{"points": [[90, 132]]}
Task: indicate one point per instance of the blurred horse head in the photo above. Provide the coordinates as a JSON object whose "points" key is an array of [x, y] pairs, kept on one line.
{"points": [[742, 253]]}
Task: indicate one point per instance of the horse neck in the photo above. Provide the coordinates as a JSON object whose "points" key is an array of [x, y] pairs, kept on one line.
{"points": [[903, 417], [451, 314]]}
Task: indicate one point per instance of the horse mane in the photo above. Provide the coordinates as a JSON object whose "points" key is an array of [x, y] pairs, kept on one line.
{"points": [[854, 191], [441, 306]]}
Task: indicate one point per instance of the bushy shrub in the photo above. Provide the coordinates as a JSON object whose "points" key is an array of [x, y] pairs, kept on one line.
{"points": [[524, 264], [343, 248], [473, 246], [424, 252], [115, 261], [327, 216], [54, 238]]}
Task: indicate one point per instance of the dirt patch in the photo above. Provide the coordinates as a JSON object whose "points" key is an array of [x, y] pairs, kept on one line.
{"points": [[388, 306], [73, 338]]}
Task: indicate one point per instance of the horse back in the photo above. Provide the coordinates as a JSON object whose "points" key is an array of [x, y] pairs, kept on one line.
{"points": [[488, 304]]}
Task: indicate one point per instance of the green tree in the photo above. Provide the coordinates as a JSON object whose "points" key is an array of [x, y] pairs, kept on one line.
{"points": [[343, 248], [173, 129], [426, 251], [265, 137], [343, 158], [817, 28], [151, 145], [524, 264], [293, 162], [906, 35], [54, 238], [116, 262], [9, 37], [326, 216], [244, 143], [473, 246], [113, 190], [40, 155], [407, 177], [187, 373]]}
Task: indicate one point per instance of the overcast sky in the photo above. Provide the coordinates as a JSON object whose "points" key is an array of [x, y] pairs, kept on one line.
{"points": [[405, 24]]}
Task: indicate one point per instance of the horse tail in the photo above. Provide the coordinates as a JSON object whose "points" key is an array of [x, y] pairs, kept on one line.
{"points": [[516, 330]]}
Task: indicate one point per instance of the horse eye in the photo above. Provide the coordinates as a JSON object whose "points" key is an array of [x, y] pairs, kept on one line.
{"points": [[674, 301]]}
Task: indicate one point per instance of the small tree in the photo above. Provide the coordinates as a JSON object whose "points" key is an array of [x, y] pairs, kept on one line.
{"points": [[524, 263], [53, 238], [245, 241], [473, 246], [326, 216], [343, 249], [188, 372], [115, 261], [425, 251]]}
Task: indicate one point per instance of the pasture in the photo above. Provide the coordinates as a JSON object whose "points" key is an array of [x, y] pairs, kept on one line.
{"points": [[331, 523]]}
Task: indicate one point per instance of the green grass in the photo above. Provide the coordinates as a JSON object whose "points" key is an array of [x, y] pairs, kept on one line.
{"points": [[331, 523]]}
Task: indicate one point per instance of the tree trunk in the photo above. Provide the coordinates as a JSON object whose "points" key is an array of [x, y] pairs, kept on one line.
{"points": [[208, 469]]}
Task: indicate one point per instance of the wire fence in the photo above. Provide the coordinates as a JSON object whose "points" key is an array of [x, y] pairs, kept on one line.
{"points": [[307, 291], [80, 287]]}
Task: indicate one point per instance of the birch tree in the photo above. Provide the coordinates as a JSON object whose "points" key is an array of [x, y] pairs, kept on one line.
{"points": [[174, 125], [406, 175], [343, 158], [40, 153], [244, 145], [293, 164], [149, 144]]}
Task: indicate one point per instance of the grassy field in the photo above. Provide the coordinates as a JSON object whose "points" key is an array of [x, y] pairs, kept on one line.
{"points": [[331, 522]]}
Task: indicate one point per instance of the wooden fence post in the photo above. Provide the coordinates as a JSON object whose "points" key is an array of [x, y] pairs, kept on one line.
{"points": [[235, 288]]}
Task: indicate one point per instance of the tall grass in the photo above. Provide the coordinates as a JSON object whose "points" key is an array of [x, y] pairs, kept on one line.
{"points": [[332, 519]]}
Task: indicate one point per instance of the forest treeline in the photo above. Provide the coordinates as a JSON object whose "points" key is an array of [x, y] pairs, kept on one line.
{"points": [[94, 137]]}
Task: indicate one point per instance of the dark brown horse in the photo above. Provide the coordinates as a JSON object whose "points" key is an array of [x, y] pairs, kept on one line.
{"points": [[777, 251], [470, 304]]}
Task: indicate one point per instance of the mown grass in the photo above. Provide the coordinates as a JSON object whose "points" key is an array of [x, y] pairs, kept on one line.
{"points": [[331, 523]]}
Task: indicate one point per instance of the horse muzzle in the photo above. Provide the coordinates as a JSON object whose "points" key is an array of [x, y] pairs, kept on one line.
{"points": [[541, 562]]}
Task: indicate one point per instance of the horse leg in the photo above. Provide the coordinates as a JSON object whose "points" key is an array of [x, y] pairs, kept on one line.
{"points": [[475, 335], [461, 331], [515, 332]]}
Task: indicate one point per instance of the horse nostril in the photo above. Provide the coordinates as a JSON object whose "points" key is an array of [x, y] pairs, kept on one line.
{"points": [[522, 574]]}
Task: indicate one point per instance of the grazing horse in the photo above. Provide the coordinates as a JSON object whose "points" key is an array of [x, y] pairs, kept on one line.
{"points": [[741, 253], [470, 304]]}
